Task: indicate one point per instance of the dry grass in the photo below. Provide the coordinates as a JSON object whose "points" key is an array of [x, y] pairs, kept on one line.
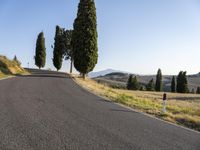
{"points": [[183, 109], [10, 67]]}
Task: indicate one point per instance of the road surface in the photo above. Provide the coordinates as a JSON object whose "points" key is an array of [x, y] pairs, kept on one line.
{"points": [[49, 111]]}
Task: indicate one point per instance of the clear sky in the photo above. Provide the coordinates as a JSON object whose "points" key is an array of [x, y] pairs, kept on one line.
{"points": [[137, 36]]}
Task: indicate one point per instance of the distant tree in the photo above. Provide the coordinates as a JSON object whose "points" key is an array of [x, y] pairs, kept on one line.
{"points": [[84, 38], [192, 91], [16, 60], [58, 48], [132, 83], [68, 51], [173, 85], [40, 53], [182, 83], [158, 86], [141, 88], [135, 84], [198, 90], [129, 82], [150, 86]]}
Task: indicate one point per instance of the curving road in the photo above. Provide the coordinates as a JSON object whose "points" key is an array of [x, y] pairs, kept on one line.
{"points": [[48, 111]]}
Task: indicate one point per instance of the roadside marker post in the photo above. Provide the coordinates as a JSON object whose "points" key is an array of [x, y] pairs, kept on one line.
{"points": [[164, 102]]}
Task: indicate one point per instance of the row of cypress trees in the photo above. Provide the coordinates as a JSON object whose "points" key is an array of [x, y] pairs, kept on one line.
{"points": [[79, 45], [133, 84], [179, 84]]}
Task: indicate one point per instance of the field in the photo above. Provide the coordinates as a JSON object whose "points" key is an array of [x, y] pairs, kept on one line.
{"points": [[119, 79], [182, 109]]}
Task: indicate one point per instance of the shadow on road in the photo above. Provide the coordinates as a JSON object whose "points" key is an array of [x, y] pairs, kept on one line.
{"points": [[44, 76], [35, 73]]}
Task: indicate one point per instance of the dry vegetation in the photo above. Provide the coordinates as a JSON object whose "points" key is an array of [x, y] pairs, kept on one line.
{"points": [[182, 109], [10, 67]]}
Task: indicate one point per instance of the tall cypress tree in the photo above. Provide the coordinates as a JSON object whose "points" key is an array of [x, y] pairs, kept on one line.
{"points": [[84, 38], [173, 85], [182, 83], [40, 52], [68, 51], [158, 86], [58, 49], [150, 86]]}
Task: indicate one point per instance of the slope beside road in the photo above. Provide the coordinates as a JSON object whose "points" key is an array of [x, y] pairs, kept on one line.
{"points": [[49, 111]]}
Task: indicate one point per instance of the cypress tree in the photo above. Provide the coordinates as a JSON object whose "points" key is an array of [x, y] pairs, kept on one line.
{"points": [[16, 60], [40, 52], [173, 85], [68, 51], [129, 82], [182, 83], [192, 91], [84, 38], [141, 88], [150, 86], [135, 84], [132, 83], [58, 49], [158, 86], [198, 90]]}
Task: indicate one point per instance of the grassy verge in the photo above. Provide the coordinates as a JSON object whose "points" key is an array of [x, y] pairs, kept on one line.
{"points": [[182, 109], [10, 68]]}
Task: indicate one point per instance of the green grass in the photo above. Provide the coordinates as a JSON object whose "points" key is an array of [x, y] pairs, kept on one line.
{"points": [[182, 109]]}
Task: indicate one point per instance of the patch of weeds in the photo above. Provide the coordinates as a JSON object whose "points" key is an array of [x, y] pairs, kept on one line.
{"points": [[188, 123]]}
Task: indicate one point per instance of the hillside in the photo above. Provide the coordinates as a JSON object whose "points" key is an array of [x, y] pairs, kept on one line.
{"points": [[102, 73], [10, 67], [119, 79]]}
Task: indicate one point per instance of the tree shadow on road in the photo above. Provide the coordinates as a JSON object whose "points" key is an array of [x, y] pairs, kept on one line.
{"points": [[43, 76]]}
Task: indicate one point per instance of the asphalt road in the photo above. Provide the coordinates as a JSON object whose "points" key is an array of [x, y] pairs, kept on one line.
{"points": [[49, 111]]}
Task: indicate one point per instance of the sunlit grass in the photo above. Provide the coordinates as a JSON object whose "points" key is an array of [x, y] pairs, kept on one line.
{"points": [[10, 67], [183, 109]]}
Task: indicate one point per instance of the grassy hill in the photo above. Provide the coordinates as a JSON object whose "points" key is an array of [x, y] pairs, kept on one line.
{"points": [[10, 67], [119, 79]]}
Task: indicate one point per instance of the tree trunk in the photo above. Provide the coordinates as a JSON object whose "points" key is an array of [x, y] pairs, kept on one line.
{"points": [[71, 66]]}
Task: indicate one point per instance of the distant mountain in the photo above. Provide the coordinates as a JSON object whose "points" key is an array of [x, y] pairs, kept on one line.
{"points": [[102, 73], [119, 79]]}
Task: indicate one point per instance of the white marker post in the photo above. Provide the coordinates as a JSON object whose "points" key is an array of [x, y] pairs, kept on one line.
{"points": [[164, 102]]}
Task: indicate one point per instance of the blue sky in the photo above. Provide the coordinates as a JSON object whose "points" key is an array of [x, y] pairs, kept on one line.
{"points": [[137, 36]]}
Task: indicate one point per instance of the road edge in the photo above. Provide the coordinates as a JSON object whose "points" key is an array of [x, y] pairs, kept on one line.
{"points": [[9, 77], [132, 109]]}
